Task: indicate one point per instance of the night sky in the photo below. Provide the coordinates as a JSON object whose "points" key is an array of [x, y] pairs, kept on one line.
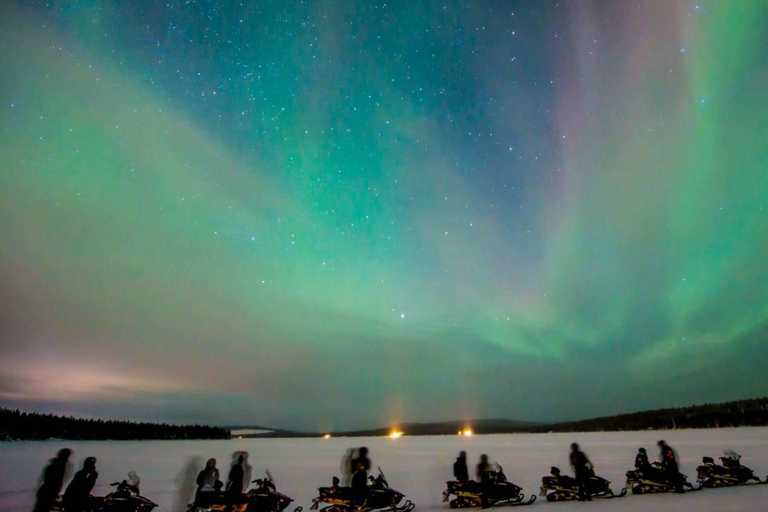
{"points": [[342, 214]]}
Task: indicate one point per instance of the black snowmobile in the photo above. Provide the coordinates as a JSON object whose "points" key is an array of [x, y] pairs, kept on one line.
{"points": [[125, 498], [265, 498], [653, 481], [730, 473], [262, 498], [472, 494], [566, 488], [377, 496]]}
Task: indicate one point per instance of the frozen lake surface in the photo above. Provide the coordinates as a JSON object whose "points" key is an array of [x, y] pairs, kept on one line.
{"points": [[416, 466]]}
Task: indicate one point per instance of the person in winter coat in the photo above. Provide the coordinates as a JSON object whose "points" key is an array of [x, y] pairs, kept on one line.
{"points": [[669, 465], [484, 473], [247, 471], [53, 479], [78, 492], [641, 461], [460, 471], [360, 467], [208, 476], [235, 478], [483, 470], [582, 469]]}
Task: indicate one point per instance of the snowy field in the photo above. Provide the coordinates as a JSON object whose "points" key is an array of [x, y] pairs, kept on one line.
{"points": [[416, 466]]}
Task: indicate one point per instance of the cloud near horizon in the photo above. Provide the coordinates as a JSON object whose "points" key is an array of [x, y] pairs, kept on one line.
{"points": [[343, 217]]}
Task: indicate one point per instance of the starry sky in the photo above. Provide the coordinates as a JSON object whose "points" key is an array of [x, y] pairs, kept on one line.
{"points": [[345, 214]]}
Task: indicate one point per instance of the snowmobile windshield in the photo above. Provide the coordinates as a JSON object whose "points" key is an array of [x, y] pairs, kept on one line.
{"points": [[731, 454]]}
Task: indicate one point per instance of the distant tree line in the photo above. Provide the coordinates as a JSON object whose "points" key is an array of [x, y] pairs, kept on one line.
{"points": [[17, 425], [741, 413]]}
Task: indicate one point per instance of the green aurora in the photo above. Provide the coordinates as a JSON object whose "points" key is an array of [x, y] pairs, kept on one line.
{"points": [[342, 215]]}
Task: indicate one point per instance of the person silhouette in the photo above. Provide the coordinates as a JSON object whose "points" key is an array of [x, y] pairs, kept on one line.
{"points": [[460, 471], [53, 479], [78, 492], [582, 469]]}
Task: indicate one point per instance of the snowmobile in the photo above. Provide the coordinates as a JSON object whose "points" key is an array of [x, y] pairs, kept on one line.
{"points": [[265, 498], [262, 498], [653, 481], [125, 498], [471, 493], [730, 473], [566, 488], [377, 496]]}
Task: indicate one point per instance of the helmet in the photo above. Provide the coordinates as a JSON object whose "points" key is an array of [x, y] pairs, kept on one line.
{"points": [[89, 461], [641, 449]]}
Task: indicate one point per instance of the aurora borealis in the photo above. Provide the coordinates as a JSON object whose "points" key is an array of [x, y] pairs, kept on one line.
{"points": [[327, 214]]}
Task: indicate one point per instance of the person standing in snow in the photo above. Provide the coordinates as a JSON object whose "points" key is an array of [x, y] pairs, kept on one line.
{"points": [[582, 469], [360, 467], [53, 479], [460, 471]]}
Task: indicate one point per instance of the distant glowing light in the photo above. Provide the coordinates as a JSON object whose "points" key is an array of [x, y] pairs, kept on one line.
{"points": [[327, 436], [395, 434], [466, 432], [402, 315]]}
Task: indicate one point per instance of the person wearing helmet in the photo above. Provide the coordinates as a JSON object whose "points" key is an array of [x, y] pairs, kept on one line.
{"points": [[53, 479], [78, 493], [641, 461]]}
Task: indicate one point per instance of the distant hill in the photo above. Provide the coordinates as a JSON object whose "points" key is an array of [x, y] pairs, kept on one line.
{"points": [[741, 413], [17, 425], [253, 431], [481, 426]]}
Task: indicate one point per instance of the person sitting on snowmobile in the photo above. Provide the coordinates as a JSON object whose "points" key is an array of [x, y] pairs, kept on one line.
{"points": [[485, 476], [360, 467], [208, 476], [460, 471], [582, 468], [669, 465], [78, 492], [641, 462], [484, 470]]}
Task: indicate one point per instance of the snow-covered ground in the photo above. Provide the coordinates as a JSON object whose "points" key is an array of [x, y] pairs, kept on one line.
{"points": [[416, 466]]}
